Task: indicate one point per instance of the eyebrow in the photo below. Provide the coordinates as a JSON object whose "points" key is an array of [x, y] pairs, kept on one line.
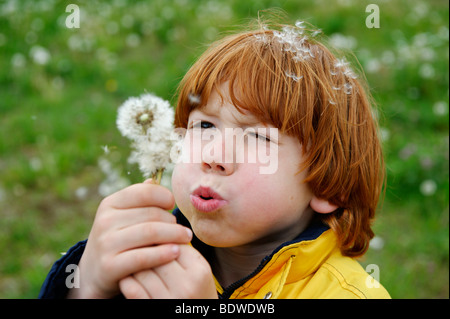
{"points": [[246, 120], [204, 112]]}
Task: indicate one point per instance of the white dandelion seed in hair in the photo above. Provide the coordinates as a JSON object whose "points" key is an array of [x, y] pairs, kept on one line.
{"points": [[348, 88], [293, 76], [331, 102], [148, 122], [340, 63]]}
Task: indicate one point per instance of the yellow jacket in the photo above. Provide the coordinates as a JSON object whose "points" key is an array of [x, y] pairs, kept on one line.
{"points": [[310, 267]]}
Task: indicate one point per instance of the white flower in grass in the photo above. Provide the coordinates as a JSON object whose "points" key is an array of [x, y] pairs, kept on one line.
{"points": [[428, 187], [148, 122]]}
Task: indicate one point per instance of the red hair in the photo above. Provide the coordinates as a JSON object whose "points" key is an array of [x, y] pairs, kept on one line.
{"points": [[297, 84]]}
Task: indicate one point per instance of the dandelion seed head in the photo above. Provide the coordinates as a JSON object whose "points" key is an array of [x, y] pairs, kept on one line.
{"points": [[147, 121], [143, 116]]}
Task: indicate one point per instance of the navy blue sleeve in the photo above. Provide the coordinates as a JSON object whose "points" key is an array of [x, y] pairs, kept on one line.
{"points": [[54, 286]]}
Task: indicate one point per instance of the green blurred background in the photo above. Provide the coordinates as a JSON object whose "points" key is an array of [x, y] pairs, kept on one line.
{"points": [[60, 151]]}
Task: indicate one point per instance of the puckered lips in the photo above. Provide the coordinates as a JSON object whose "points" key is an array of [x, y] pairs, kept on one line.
{"points": [[206, 200]]}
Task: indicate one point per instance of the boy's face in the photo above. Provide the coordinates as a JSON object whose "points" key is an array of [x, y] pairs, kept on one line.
{"points": [[232, 203]]}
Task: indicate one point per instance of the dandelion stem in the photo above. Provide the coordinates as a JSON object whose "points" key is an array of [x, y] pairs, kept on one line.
{"points": [[157, 176]]}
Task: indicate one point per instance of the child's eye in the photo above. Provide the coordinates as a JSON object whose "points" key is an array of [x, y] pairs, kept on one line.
{"points": [[260, 136], [202, 125]]}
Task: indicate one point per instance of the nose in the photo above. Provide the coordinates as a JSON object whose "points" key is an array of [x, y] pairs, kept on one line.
{"points": [[218, 168], [217, 157]]}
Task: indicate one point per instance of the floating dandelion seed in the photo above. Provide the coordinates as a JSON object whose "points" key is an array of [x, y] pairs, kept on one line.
{"points": [[105, 149], [148, 122], [194, 99]]}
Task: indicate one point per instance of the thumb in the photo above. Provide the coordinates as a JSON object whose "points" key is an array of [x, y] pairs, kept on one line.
{"points": [[148, 181]]}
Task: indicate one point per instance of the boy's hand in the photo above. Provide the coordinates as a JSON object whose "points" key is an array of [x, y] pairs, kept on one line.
{"points": [[132, 231], [189, 276]]}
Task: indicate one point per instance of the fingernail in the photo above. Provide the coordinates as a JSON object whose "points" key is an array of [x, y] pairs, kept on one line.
{"points": [[189, 232], [175, 249]]}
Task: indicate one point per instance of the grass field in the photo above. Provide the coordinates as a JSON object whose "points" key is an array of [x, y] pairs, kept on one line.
{"points": [[60, 89]]}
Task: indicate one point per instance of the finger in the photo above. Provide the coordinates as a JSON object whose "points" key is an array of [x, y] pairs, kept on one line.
{"points": [[171, 274], [173, 271], [148, 234], [118, 219], [145, 214], [192, 280], [141, 195], [132, 289], [153, 284], [189, 256], [136, 260]]}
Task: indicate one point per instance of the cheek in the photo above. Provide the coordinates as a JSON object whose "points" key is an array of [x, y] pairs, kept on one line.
{"points": [[274, 194], [257, 192], [180, 178], [176, 174]]}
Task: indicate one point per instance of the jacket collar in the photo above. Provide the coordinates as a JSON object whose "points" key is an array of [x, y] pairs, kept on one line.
{"points": [[304, 254]]}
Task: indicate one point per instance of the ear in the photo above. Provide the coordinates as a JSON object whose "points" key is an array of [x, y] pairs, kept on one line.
{"points": [[322, 206]]}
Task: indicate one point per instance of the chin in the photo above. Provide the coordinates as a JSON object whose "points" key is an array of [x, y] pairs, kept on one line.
{"points": [[214, 239]]}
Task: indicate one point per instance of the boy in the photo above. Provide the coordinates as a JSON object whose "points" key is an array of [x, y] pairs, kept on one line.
{"points": [[292, 233]]}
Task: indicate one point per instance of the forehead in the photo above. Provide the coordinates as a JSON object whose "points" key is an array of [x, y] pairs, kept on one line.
{"points": [[219, 104]]}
